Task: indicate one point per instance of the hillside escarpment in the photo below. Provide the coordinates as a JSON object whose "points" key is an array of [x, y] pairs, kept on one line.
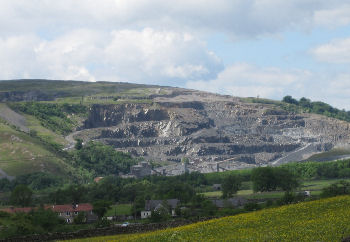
{"points": [[214, 132]]}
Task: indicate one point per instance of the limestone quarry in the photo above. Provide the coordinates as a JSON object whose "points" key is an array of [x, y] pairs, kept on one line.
{"points": [[213, 132]]}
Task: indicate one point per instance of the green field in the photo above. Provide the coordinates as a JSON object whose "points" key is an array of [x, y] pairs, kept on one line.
{"points": [[321, 220], [314, 186], [119, 209]]}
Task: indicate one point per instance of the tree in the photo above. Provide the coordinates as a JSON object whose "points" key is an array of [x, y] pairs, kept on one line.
{"points": [[269, 179], [101, 207], [263, 179], [80, 218], [285, 180], [290, 99], [47, 219], [336, 189], [231, 185], [138, 206], [21, 196], [78, 144]]}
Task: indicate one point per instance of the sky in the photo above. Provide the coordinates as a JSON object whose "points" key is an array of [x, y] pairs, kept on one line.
{"points": [[246, 48]]}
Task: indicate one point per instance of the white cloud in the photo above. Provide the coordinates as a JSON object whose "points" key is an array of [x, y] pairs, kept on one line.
{"points": [[336, 51], [145, 56], [245, 80], [333, 17], [249, 18], [248, 80]]}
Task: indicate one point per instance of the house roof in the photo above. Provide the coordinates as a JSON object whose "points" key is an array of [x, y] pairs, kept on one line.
{"points": [[82, 207], [56, 208], [152, 204]]}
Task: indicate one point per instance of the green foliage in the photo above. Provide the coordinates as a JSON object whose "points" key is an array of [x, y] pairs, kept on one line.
{"points": [[47, 219], [35, 181], [38, 221], [271, 178], [336, 189], [80, 218], [103, 159], [320, 170], [100, 207], [52, 115], [231, 185], [73, 194], [306, 105], [21, 196], [138, 205], [263, 179], [78, 144], [179, 190], [161, 214], [289, 99]]}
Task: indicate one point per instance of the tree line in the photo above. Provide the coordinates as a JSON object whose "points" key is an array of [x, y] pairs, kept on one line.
{"points": [[306, 105]]}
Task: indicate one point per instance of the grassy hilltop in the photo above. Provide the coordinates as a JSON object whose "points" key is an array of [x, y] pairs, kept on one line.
{"points": [[321, 220]]}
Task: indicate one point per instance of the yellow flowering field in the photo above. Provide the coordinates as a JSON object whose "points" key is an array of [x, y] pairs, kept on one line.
{"points": [[321, 220]]}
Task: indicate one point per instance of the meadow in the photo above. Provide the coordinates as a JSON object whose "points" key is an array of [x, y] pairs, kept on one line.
{"points": [[320, 220]]}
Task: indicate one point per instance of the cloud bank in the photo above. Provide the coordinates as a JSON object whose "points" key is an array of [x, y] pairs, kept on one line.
{"points": [[162, 42]]}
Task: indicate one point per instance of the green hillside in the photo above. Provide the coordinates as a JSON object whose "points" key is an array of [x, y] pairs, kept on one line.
{"points": [[21, 154], [321, 220], [56, 88]]}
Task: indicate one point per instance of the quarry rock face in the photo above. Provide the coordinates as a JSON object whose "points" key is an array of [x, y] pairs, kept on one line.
{"points": [[214, 132]]}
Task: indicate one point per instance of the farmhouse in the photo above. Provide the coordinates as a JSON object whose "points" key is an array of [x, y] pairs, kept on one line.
{"points": [[154, 205], [67, 211]]}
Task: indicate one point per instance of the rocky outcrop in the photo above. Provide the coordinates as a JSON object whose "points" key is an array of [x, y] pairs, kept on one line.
{"points": [[209, 129]]}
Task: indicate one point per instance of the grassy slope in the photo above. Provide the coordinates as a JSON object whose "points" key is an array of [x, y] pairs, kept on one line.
{"points": [[119, 209], [321, 220], [22, 154], [67, 88]]}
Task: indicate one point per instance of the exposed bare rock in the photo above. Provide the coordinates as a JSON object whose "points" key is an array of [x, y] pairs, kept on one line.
{"points": [[212, 129]]}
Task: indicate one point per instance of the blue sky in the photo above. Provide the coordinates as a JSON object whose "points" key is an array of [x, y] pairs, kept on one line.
{"points": [[266, 48]]}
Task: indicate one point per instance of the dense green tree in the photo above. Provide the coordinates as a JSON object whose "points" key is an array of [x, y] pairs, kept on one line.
{"points": [[263, 179], [231, 184], [103, 159], [21, 196], [45, 218], [138, 206], [285, 180], [271, 178], [101, 207], [289, 99], [336, 189]]}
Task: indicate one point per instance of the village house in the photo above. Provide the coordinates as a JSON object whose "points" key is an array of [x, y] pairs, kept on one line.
{"points": [[141, 170], [154, 205], [66, 212], [217, 187]]}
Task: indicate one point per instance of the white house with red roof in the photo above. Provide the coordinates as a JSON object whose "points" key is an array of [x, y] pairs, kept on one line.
{"points": [[66, 211]]}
